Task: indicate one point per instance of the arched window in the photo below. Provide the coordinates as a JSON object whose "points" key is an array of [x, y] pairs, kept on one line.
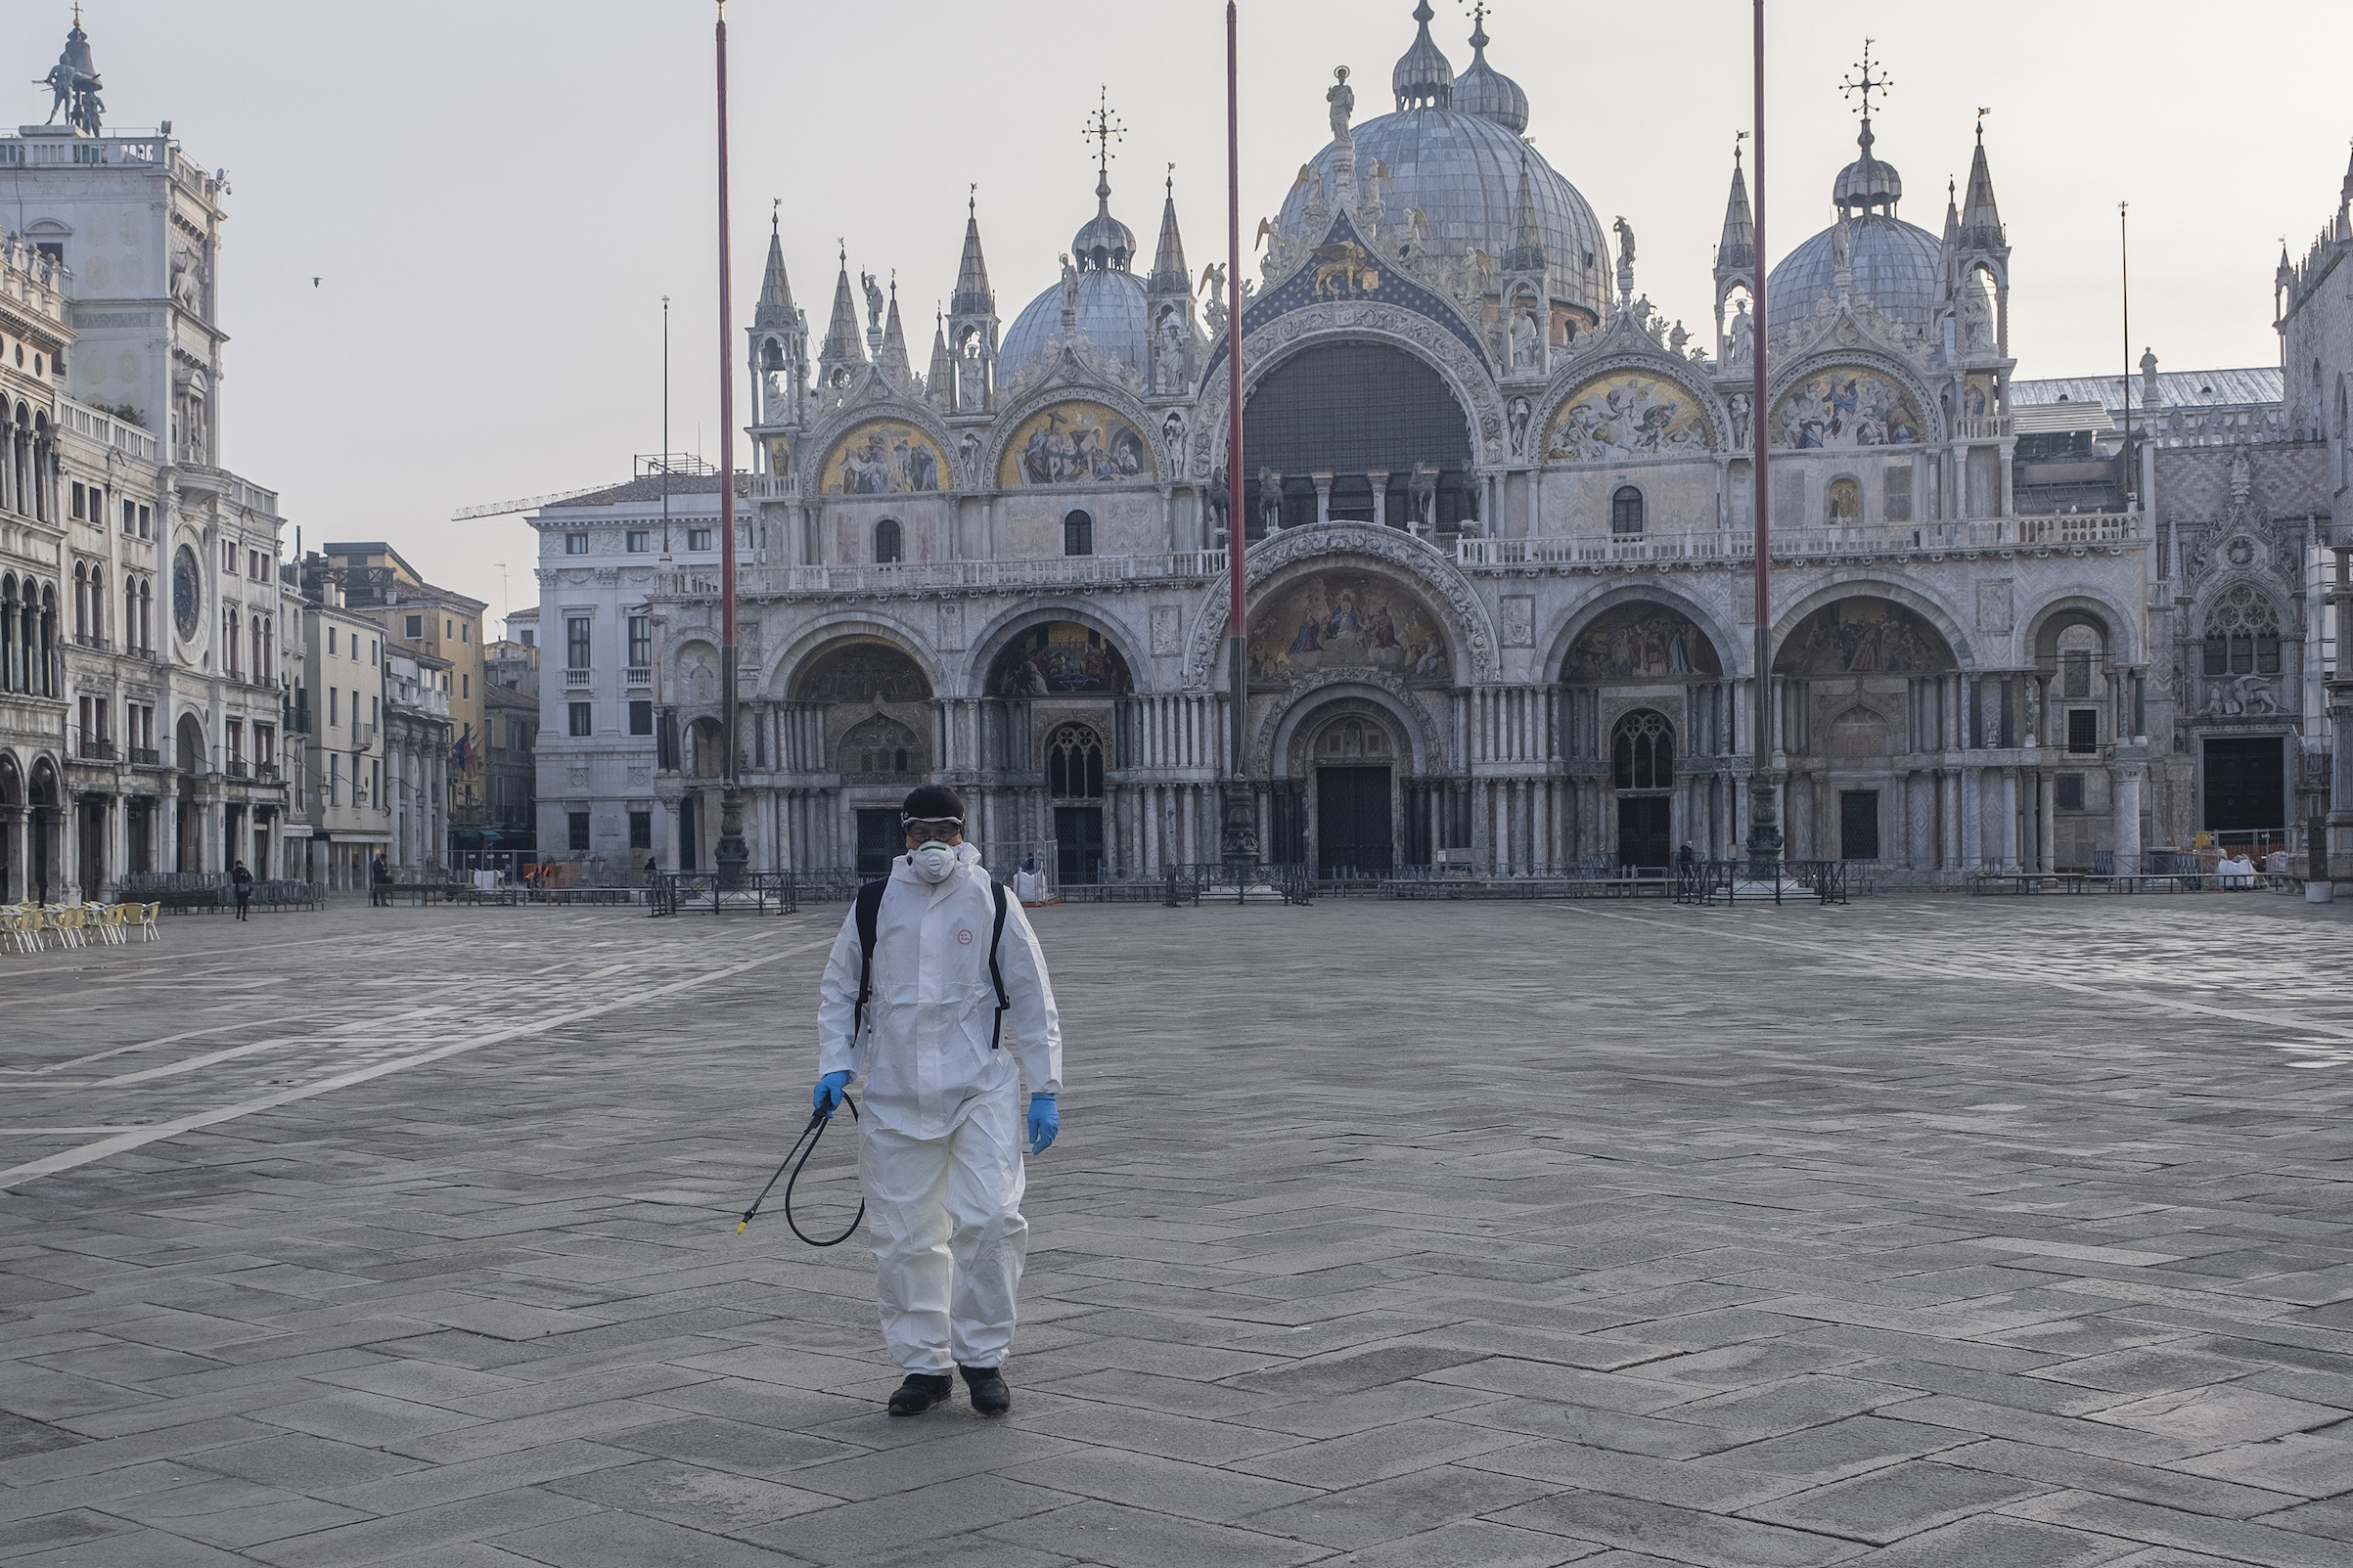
{"points": [[1074, 764], [1078, 534], [130, 613], [82, 603], [880, 749], [1643, 752], [1626, 511], [2243, 634], [890, 542]]}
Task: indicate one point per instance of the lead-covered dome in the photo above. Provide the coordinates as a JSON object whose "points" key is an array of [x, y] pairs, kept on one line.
{"points": [[1897, 266], [1112, 313], [1461, 168]]}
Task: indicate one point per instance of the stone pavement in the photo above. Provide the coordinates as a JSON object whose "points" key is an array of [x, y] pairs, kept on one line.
{"points": [[1991, 1233]]}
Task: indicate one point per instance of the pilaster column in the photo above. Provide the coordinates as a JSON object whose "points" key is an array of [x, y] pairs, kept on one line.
{"points": [[1972, 818], [2010, 819], [1380, 496], [2047, 821], [1323, 496]]}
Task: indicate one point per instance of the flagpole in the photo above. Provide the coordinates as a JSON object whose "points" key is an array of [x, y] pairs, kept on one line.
{"points": [[731, 852], [1764, 829], [1241, 838]]}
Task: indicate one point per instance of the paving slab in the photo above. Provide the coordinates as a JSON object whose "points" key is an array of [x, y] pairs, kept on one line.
{"points": [[1506, 1234]]}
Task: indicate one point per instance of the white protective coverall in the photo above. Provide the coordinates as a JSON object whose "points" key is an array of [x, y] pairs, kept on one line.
{"points": [[939, 1150]]}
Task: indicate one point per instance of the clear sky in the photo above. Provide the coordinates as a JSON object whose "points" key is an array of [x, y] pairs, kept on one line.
{"points": [[495, 195]]}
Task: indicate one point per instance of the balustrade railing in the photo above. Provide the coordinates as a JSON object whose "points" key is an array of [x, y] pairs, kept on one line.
{"points": [[1805, 542], [919, 577]]}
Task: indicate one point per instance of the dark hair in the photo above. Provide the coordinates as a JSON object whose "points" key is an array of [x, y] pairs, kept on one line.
{"points": [[931, 801]]}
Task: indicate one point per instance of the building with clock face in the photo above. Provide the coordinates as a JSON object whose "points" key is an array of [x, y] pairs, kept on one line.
{"points": [[1498, 510], [144, 688]]}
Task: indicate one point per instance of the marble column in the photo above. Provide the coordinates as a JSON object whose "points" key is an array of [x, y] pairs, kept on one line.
{"points": [[1323, 496], [1948, 819], [1380, 496], [2127, 797]]}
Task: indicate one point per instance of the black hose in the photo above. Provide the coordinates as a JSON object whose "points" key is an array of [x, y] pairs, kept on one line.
{"points": [[804, 1146]]}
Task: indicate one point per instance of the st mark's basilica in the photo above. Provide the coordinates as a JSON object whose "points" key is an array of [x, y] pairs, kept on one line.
{"points": [[1499, 565]]}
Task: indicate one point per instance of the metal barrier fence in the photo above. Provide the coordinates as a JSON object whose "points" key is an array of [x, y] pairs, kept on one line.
{"points": [[756, 892], [203, 892]]}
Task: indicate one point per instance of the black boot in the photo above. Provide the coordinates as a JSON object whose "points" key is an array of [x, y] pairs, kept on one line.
{"points": [[919, 1392], [990, 1396]]}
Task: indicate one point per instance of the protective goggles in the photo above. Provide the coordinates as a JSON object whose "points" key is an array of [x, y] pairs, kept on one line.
{"points": [[932, 827]]}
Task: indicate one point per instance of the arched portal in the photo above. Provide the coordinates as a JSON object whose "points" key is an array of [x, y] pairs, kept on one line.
{"points": [[1059, 714], [44, 868], [1869, 692], [1375, 420], [1648, 726], [1341, 814]]}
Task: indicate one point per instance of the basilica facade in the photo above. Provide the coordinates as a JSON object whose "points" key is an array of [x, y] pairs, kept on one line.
{"points": [[1497, 549]]}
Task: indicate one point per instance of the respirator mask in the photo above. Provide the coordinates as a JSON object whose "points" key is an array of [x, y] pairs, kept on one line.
{"points": [[933, 862]]}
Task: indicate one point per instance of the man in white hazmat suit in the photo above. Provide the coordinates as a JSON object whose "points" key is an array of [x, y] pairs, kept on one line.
{"points": [[943, 1045]]}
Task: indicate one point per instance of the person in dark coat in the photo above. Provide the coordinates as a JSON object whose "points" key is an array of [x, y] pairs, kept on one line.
{"points": [[1687, 859], [380, 880], [242, 881]]}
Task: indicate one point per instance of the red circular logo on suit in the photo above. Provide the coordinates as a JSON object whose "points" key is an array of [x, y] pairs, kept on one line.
{"points": [[964, 939]]}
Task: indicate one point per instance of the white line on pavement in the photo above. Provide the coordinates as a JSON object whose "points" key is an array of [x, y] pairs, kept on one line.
{"points": [[67, 1159]]}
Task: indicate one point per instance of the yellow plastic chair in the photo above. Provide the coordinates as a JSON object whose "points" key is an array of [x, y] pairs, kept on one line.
{"points": [[148, 919], [17, 929], [110, 922]]}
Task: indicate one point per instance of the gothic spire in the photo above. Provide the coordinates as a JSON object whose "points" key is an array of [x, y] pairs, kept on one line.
{"points": [[1169, 274], [1527, 240], [842, 338], [896, 366], [941, 381], [1981, 220], [973, 296], [1736, 248], [775, 308]]}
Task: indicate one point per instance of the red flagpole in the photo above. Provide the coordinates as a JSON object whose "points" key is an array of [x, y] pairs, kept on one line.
{"points": [[731, 853], [1237, 529], [1764, 830], [1239, 847]]}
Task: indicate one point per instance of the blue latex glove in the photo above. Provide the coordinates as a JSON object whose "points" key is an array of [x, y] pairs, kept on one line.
{"points": [[826, 1096], [1045, 1120]]}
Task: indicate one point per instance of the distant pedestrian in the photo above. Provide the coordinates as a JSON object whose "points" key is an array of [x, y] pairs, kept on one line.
{"points": [[1687, 859], [380, 881], [243, 881], [653, 869]]}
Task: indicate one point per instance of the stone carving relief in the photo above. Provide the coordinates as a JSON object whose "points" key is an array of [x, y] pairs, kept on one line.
{"points": [[1519, 628], [1167, 631]]}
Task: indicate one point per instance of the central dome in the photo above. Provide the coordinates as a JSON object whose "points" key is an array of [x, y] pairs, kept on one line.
{"points": [[1454, 152], [1462, 171]]}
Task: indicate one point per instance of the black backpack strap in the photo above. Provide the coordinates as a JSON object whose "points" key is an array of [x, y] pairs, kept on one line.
{"points": [[996, 976], [869, 916]]}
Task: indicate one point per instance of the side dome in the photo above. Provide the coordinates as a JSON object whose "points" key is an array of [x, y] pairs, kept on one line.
{"points": [[1897, 267], [1462, 171], [1112, 313]]}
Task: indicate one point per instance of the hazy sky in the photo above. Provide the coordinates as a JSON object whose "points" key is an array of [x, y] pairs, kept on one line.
{"points": [[496, 194]]}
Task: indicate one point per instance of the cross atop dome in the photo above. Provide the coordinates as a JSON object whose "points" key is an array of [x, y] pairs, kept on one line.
{"points": [[1866, 184], [1105, 245], [1865, 83]]}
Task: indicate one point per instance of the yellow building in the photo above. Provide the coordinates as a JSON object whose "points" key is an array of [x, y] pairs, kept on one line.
{"points": [[440, 625]]}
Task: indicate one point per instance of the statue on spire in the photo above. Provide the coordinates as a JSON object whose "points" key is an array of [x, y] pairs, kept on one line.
{"points": [[73, 82]]}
